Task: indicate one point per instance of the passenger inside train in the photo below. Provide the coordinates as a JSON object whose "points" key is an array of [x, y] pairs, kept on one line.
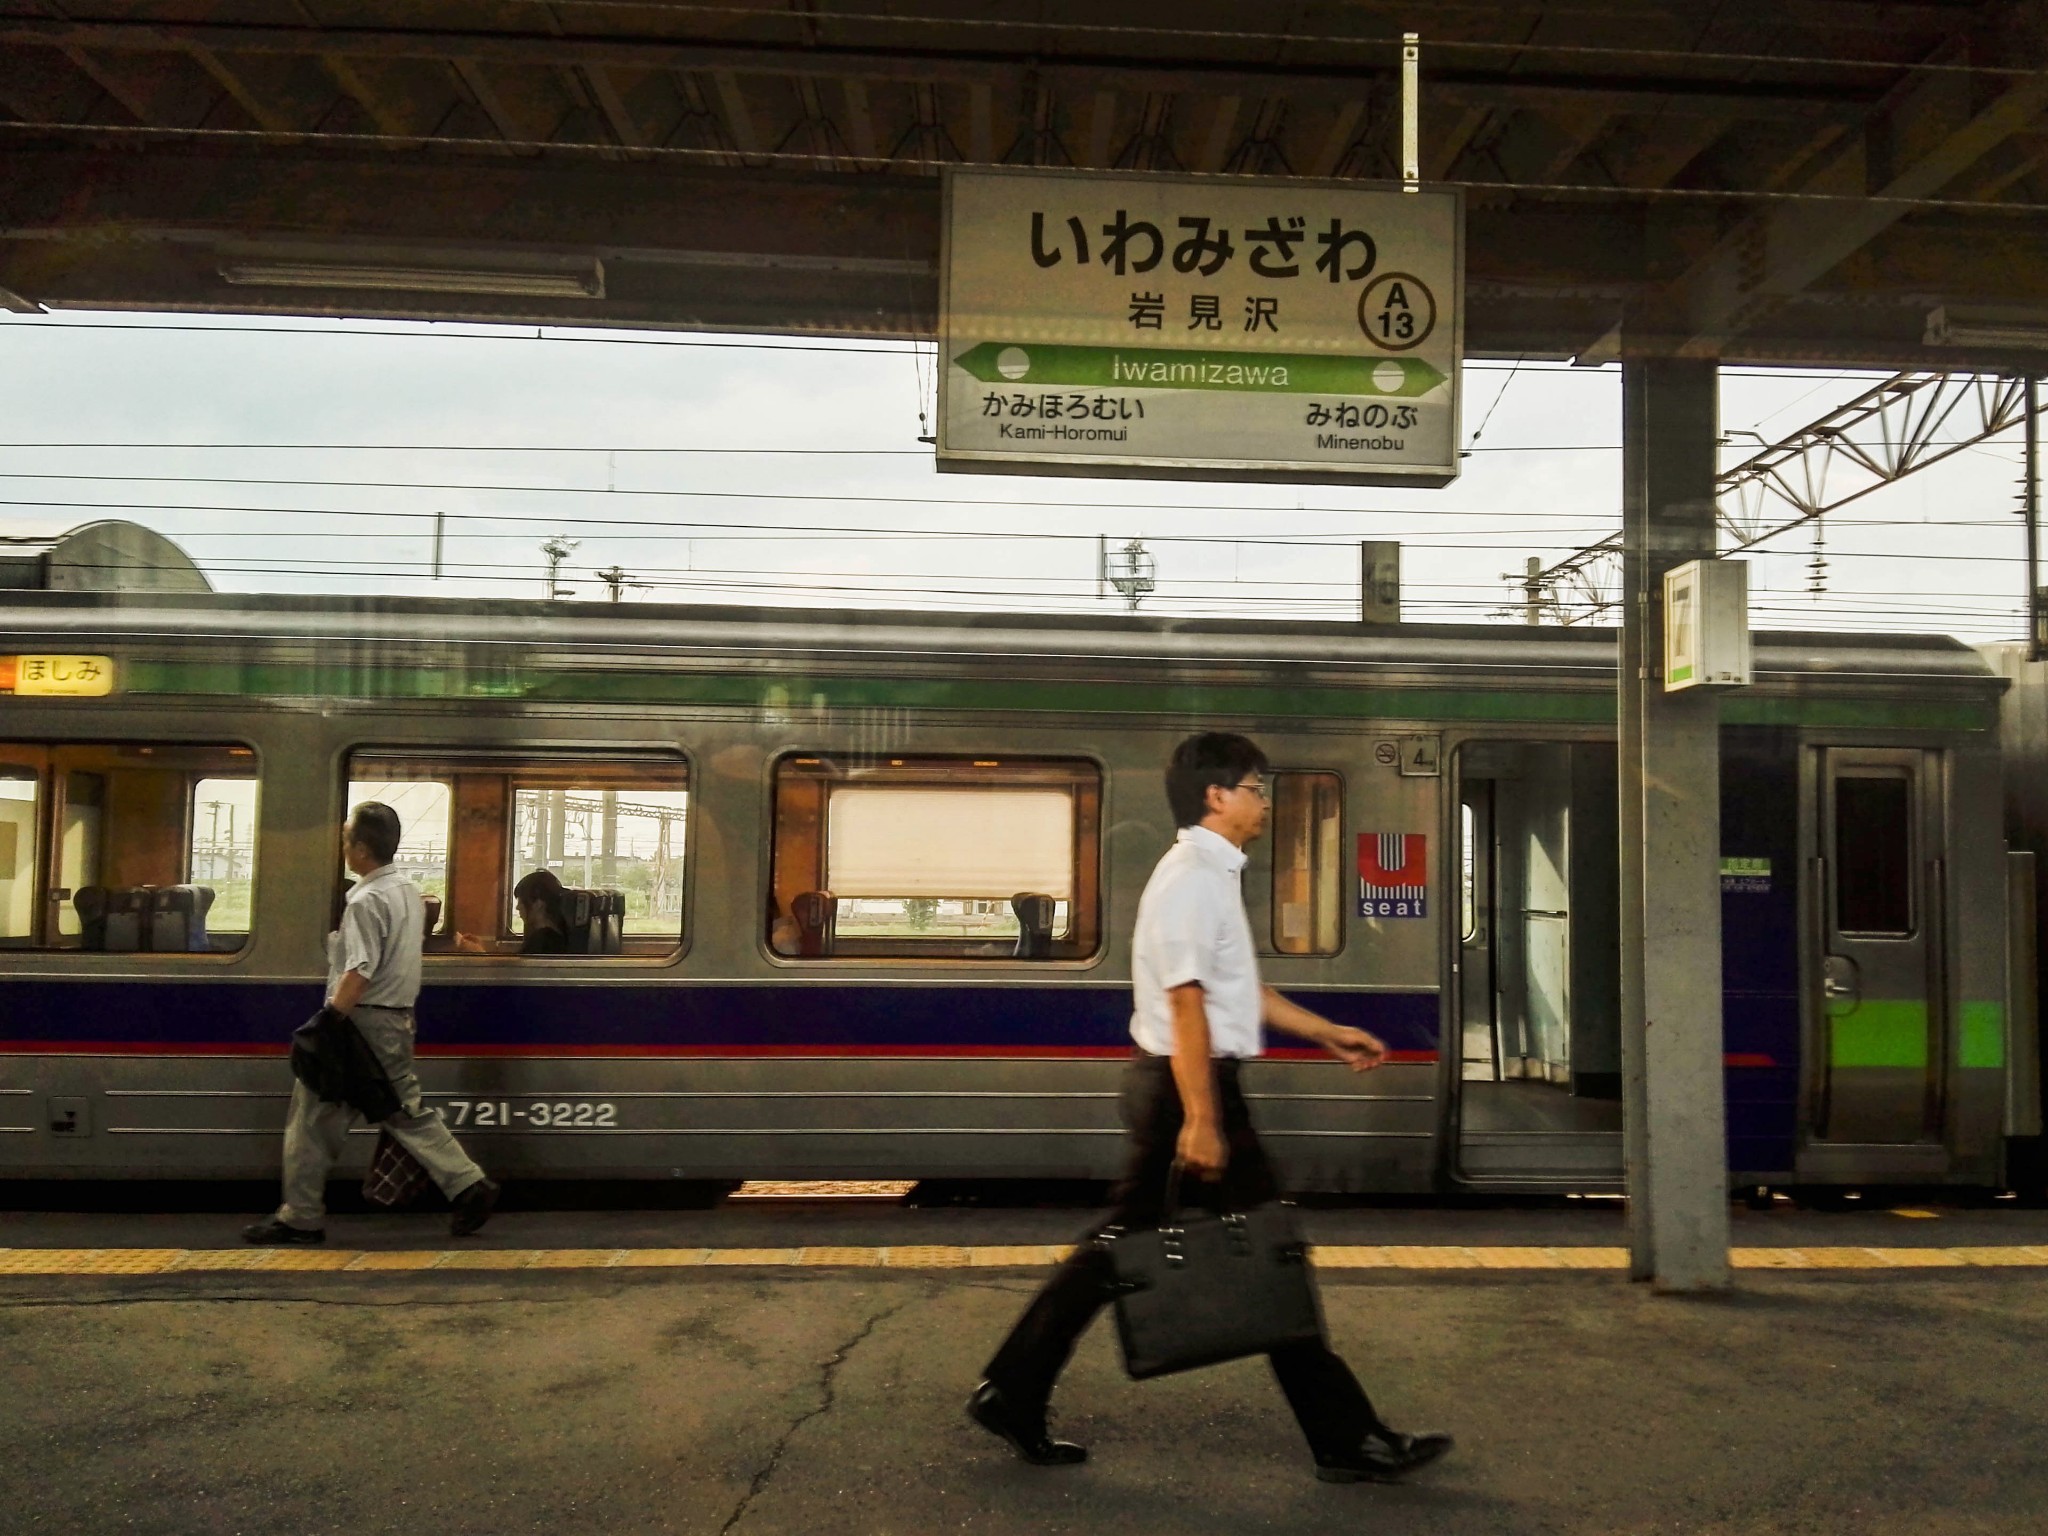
{"points": [[545, 929]]}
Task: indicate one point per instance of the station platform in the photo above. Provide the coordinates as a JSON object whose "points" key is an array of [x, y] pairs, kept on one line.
{"points": [[791, 1365]]}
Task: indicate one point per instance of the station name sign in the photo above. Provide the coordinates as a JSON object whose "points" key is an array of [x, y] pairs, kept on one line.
{"points": [[1199, 327]]}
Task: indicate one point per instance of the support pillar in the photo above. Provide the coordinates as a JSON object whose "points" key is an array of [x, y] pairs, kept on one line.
{"points": [[1674, 1115]]}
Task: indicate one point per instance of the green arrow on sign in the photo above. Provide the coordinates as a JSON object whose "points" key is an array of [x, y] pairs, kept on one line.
{"points": [[996, 362]]}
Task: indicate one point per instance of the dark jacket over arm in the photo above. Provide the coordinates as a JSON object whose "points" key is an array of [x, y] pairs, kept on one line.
{"points": [[334, 1061]]}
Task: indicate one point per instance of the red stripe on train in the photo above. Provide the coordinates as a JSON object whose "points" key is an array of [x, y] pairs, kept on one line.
{"points": [[939, 1053]]}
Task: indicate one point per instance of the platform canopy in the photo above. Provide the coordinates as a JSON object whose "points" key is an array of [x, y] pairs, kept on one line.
{"points": [[1780, 181]]}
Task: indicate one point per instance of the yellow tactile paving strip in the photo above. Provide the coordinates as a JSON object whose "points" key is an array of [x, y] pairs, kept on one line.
{"points": [[159, 1261]]}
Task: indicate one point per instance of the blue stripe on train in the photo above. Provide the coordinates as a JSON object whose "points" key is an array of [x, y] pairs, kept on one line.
{"points": [[856, 1016]]}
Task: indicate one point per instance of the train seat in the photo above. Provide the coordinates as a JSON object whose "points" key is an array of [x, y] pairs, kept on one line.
{"points": [[1034, 924], [90, 902], [127, 919], [608, 925], [577, 914], [177, 919], [815, 914]]}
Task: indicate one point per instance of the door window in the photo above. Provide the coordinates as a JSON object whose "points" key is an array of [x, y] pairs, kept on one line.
{"points": [[1874, 854], [1308, 887]]}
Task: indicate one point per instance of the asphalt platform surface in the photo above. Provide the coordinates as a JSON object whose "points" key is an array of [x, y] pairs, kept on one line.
{"points": [[816, 1398]]}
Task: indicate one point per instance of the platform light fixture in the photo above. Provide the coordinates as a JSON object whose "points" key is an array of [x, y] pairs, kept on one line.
{"points": [[1961, 328], [579, 283]]}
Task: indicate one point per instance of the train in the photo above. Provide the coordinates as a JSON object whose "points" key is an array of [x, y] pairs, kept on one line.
{"points": [[850, 894]]}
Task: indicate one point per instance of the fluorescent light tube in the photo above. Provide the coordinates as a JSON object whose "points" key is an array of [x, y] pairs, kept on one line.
{"points": [[586, 284], [1947, 329]]}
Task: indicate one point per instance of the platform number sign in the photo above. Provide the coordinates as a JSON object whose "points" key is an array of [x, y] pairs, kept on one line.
{"points": [[1393, 874]]}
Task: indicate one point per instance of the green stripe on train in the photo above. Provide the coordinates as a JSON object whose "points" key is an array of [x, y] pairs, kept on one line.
{"points": [[1982, 1036], [1879, 1032], [286, 680], [1882, 1032]]}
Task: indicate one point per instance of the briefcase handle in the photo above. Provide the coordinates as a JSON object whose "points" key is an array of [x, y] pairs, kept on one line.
{"points": [[1169, 1212]]}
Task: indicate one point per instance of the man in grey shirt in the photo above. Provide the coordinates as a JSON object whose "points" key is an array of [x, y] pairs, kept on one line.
{"points": [[373, 979]]}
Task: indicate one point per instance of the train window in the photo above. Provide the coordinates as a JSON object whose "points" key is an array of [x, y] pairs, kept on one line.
{"points": [[1307, 836], [1468, 874], [1874, 854], [599, 831], [479, 826], [425, 811], [130, 847], [20, 794], [936, 858], [221, 851]]}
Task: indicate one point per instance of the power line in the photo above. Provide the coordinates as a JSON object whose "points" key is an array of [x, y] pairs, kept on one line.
{"points": [[428, 330], [808, 159], [808, 18]]}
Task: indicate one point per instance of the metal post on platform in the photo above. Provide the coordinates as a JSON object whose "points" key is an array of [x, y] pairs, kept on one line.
{"points": [[1674, 1114], [1411, 111], [2030, 499]]}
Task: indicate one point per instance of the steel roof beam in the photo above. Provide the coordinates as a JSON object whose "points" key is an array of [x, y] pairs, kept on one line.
{"points": [[1875, 440], [1671, 95], [1781, 250]]}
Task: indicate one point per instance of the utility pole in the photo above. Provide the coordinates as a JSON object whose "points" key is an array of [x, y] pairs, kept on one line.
{"points": [[618, 578], [1132, 571], [1379, 582], [1532, 592], [557, 550]]}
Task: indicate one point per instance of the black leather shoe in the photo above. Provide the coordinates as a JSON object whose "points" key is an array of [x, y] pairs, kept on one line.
{"points": [[1025, 1432], [274, 1232], [473, 1207], [1386, 1457]]}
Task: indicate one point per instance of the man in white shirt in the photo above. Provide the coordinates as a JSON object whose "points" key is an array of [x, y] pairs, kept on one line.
{"points": [[373, 980], [1198, 1012]]}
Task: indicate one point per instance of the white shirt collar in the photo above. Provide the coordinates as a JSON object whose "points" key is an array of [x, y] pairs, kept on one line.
{"points": [[381, 872], [1215, 848]]}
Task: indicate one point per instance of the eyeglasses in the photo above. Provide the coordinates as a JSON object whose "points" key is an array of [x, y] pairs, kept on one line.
{"points": [[1258, 787]]}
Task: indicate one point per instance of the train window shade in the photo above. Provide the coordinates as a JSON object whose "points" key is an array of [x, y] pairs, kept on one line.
{"points": [[1307, 834], [937, 859], [98, 851], [1874, 854]]}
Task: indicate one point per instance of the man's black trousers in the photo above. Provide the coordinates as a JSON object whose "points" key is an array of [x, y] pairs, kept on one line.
{"points": [[1332, 1408]]}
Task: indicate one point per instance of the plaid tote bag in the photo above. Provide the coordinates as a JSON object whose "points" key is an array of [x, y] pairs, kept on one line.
{"points": [[396, 1179]]}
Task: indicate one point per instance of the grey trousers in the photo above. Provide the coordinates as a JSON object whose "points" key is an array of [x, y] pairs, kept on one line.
{"points": [[316, 1132]]}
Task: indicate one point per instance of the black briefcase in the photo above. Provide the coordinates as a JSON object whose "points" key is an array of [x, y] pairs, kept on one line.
{"points": [[1207, 1287]]}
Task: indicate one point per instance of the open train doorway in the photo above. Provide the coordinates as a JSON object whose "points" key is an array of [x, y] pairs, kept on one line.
{"points": [[1538, 964]]}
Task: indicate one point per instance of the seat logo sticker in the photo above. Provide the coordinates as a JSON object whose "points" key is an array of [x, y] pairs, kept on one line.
{"points": [[1393, 874]]}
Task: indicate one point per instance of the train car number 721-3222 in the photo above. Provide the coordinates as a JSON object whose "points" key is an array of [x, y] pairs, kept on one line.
{"points": [[499, 1114]]}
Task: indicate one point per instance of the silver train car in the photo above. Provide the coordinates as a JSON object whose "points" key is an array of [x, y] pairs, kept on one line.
{"points": [[850, 895]]}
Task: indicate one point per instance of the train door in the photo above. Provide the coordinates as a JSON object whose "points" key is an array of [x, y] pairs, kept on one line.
{"points": [[1538, 979], [1477, 1003], [1879, 879]]}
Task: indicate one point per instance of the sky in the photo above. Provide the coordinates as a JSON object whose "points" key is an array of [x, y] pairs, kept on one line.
{"points": [[320, 456]]}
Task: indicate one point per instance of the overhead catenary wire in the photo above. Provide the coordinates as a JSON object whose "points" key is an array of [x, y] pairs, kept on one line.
{"points": [[808, 18], [808, 159]]}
